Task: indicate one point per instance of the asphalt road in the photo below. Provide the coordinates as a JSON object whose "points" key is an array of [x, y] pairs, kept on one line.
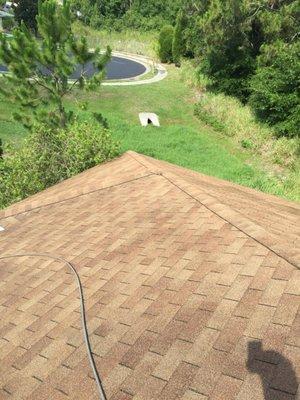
{"points": [[117, 68]]}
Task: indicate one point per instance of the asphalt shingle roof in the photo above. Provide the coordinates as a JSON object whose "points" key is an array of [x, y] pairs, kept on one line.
{"points": [[191, 284]]}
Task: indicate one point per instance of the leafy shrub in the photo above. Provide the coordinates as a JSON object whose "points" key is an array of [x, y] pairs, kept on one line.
{"points": [[276, 88], [165, 42], [134, 14], [178, 45], [134, 20], [247, 144], [48, 157]]}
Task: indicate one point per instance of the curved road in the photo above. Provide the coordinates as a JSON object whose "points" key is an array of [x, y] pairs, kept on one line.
{"points": [[117, 68]]}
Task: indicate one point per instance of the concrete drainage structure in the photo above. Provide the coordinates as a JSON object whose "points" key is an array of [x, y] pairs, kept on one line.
{"points": [[149, 119]]}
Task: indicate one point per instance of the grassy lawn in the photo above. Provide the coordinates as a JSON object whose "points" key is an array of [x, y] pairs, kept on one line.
{"points": [[130, 41], [182, 139], [10, 130]]}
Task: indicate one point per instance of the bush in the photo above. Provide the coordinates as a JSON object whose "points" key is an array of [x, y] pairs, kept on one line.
{"points": [[227, 52], [276, 87], [165, 43], [178, 45], [48, 157]]}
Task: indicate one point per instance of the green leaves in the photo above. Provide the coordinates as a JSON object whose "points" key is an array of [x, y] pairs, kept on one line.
{"points": [[40, 68], [50, 155], [276, 87], [227, 48], [165, 42], [54, 22], [178, 45], [26, 12]]}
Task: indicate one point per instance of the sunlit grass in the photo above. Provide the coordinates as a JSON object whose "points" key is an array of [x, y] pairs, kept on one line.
{"points": [[129, 41], [182, 139]]}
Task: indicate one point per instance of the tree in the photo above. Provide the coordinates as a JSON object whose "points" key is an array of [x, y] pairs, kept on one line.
{"points": [[178, 45], [227, 53], [194, 11], [275, 87], [137, 14], [26, 11], [40, 68], [165, 42]]}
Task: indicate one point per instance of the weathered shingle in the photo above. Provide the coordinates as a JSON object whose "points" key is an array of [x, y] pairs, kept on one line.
{"points": [[183, 275]]}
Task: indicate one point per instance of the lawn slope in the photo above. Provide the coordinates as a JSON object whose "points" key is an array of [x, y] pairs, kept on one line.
{"points": [[182, 138]]}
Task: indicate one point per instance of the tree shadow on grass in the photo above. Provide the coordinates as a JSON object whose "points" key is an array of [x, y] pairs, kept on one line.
{"points": [[276, 372]]}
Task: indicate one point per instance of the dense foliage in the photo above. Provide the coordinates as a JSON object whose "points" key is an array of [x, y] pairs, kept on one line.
{"points": [[40, 67], [178, 45], [165, 43], [46, 158], [251, 50], [242, 46], [119, 14], [26, 11], [227, 52], [275, 88]]}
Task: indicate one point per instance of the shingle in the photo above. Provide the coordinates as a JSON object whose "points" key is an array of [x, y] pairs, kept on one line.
{"points": [[226, 388], [182, 274]]}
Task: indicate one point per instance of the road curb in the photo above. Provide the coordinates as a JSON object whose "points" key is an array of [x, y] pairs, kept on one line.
{"points": [[161, 71]]}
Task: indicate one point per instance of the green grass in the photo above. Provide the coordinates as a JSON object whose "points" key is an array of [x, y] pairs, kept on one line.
{"points": [[10, 130], [182, 139], [129, 41]]}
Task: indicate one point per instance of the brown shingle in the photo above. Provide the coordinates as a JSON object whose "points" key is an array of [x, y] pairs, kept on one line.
{"points": [[181, 273]]}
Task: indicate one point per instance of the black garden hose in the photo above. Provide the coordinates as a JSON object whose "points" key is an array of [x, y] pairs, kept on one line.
{"points": [[100, 388]]}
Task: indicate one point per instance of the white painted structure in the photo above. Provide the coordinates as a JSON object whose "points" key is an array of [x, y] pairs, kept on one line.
{"points": [[149, 119]]}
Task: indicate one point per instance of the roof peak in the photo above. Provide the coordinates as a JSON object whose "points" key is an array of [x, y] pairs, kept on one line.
{"points": [[267, 219]]}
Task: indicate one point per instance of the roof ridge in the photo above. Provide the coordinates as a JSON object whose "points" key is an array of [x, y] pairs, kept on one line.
{"points": [[147, 162], [23, 205], [227, 213], [242, 223], [208, 191], [8, 212]]}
